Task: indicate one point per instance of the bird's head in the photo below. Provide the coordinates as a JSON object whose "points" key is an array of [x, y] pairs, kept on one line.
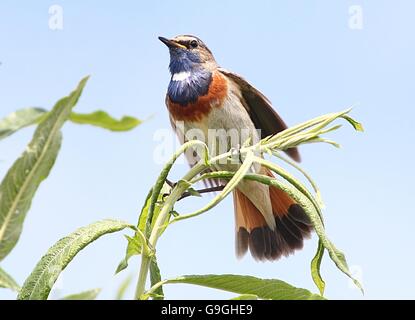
{"points": [[188, 53]]}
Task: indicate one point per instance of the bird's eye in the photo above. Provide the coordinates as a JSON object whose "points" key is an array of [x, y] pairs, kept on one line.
{"points": [[193, 44]]}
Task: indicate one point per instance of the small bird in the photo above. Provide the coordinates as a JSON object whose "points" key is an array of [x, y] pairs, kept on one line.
{"points": [[203, 96]]}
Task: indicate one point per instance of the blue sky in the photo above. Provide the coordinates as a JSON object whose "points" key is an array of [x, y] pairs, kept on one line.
{"points": [[303, 55]]}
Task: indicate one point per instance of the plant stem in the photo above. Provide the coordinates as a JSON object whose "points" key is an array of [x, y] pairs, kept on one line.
{"points": [[176, 193], [163, 216], [142, 276]]}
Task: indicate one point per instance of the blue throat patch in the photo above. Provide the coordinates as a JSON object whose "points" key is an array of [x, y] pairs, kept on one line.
{"points": [[197, 84], [189, 90]]}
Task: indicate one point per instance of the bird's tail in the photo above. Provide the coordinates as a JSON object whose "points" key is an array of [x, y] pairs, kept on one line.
{"points": [[252, 231]]}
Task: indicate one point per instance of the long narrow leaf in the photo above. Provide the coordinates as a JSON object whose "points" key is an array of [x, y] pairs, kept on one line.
{"points": [[246, 285], [30, 116], [38, 285], [6, 281], [86, 295], [123, 288], [155, 277], [134, 247], [24, 177], [245, 297], [315, 268], [104, 120], [19, 120]]}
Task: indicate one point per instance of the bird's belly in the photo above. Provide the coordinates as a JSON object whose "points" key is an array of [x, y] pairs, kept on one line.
{"points": [[225, 127], [232, 124]]}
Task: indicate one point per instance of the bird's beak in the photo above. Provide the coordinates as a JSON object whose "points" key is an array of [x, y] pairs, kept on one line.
{"points": [[171, 43]]}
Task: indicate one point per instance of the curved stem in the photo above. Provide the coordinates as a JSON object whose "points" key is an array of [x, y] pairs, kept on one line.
{"points": [[155, 287]]}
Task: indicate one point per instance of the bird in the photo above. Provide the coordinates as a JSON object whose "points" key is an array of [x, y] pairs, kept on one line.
{"points": [[203, 97]]}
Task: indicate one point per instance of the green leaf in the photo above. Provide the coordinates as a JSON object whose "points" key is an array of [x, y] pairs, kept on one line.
{"points": [[144, 212], [356, 125], [247, 285], [30, 116], [155, 277], [6, 281], [134, 247], [153, 204], [123, 288], [339, 259], [165, 189], [323, 140], [24, 177], [299, 187], [246, 297], [86, 295], [104, 120], [315, 268], [19, 120], [38, 285]]}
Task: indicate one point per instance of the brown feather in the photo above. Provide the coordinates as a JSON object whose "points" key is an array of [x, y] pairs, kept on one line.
{"points": [[261, 111], [292, 226]]}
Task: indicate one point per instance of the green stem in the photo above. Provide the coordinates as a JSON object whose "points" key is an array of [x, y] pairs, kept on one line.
{"points": [[156, 286], [296, 166], [163, 216], [297, 184], [161, 220], [142, 276]]}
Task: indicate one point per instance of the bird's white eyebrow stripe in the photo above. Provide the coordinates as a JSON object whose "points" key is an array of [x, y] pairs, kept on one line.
{"points": [[180, 76]]}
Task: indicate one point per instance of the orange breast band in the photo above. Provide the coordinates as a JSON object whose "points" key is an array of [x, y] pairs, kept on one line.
{"points": [[217, 92]]}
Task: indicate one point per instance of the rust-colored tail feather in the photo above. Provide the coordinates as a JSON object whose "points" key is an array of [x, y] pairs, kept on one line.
{"points": [[292, 226]]}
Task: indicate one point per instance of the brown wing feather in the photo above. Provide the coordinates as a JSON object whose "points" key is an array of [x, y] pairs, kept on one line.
{"points": [[261, 111]]}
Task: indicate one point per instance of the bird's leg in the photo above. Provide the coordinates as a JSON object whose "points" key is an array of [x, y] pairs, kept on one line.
{"points": [[188, 194], [236, 151], [171, 184], [206, 190]]}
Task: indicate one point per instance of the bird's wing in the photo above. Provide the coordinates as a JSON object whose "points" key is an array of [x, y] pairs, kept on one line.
{"points": [[261, 111], [192, 155]]}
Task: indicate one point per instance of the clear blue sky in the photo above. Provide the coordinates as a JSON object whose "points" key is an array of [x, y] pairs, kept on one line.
{"points": [[301, 54]]}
